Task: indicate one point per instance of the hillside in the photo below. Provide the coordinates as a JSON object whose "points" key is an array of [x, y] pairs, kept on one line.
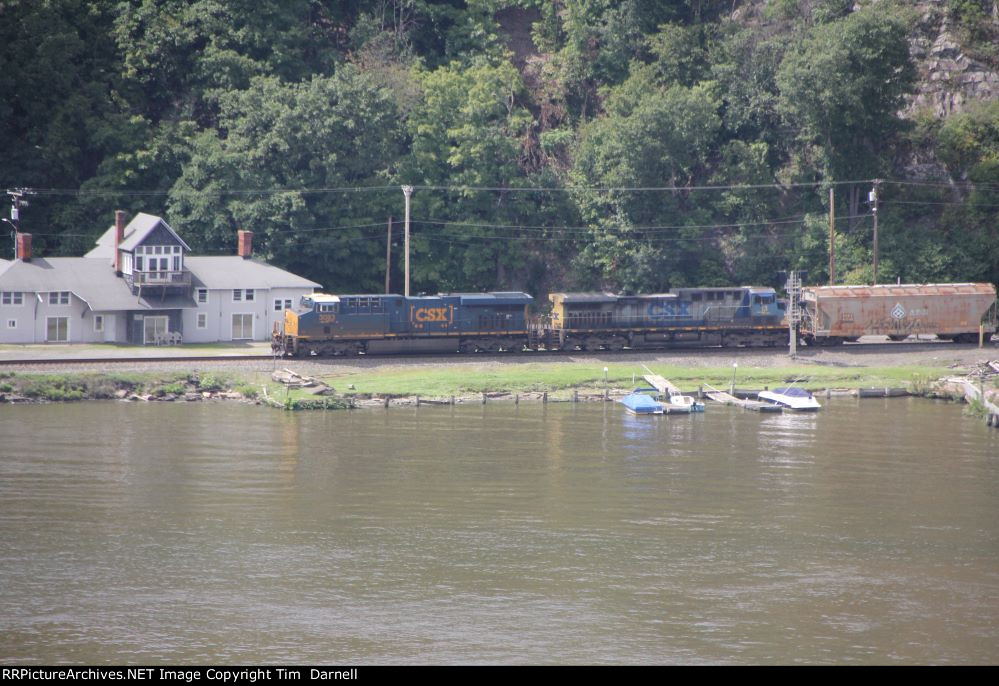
{"points": [[636, 145]]}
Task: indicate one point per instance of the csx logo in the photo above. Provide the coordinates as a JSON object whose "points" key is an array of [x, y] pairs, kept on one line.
{"points": [[663, 310], [431, 314]]}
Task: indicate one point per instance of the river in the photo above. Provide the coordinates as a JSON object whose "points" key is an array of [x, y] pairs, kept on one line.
{"points": [[227, 533]]}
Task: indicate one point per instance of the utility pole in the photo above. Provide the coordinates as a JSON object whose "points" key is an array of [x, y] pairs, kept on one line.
{"points": [[832, 236], [873, 197], [407, 191], [388, 257], [17, 201]]}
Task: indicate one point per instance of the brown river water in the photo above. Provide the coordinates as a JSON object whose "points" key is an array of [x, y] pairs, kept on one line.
{"points": [[560, 533]]}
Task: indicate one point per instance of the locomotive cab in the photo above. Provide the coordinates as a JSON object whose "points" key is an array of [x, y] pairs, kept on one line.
{"points": [[764, 306]]}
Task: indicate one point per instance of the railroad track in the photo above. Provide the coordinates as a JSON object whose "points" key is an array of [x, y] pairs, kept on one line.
{"points": [[861, 348]]}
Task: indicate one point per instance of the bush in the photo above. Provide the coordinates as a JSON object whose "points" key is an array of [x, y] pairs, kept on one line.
{"points": [[248, 391], [210, 382]]}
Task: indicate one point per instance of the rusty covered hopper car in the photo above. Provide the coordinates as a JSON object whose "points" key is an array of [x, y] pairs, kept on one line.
{"points": [[954, 311]]}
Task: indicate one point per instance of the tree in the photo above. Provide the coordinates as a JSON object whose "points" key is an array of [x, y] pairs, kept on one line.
{"points": [[841, 90], [281, 147], [468, 131], [651, 137]]}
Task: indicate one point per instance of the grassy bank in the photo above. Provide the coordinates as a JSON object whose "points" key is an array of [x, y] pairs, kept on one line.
{"points": [[535, 377], [459, 380]]}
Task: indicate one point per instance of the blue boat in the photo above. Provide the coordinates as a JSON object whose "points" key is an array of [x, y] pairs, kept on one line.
{"points": [[640, 402]]}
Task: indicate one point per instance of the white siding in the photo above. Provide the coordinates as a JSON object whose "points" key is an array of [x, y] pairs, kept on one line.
{"points": [[24, 317], [220, 308]]}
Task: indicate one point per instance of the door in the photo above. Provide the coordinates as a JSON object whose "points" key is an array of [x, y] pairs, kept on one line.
{"points": [[242, 327], [57, 329], [154, 329]]}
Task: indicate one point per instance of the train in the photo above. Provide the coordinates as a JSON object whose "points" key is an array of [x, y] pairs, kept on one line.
{"points": [[747, 316], [328, 325]]}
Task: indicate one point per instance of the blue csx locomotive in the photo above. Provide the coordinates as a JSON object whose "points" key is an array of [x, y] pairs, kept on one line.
{"points": [[494, 322]]}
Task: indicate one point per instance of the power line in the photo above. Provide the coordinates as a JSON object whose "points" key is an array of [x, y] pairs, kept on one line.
{"points": [[943, 184], [504, 189], [930, 202], [192, 191]]}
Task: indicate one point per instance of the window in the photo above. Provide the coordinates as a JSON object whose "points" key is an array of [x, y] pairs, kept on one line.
{"points": [[138, 263], [176, 263], [202, 296], [202, 320], [11, 323], [249, 295], [242, 327], [59, 298], [280, 304], [98, 323], [57, 329], [237, 295], [12, 298]]}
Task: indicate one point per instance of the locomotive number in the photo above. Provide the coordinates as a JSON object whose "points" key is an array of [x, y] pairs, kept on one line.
{"points": [[327, 319]]}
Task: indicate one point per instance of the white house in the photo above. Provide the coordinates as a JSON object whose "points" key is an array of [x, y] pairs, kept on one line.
{"points": [[140, 285]]}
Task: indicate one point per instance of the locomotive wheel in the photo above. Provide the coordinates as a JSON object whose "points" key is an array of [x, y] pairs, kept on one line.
{"points": [[897, 337]]}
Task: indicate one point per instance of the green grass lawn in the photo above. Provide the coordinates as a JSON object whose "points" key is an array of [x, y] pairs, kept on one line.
{"points": [[523, 378]]}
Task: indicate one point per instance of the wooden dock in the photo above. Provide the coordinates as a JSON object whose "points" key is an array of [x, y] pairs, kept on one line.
{"points": [[729, 399], [661, 384]]}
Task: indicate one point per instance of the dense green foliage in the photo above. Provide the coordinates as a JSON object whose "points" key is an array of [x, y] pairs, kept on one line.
{"points": [[631, 145]]}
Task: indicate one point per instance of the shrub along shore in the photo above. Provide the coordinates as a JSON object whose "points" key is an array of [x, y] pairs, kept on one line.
{"points": [[460, 382]]}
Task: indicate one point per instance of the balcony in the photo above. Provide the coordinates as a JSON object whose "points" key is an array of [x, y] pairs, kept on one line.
{"points": [[181, 279]]}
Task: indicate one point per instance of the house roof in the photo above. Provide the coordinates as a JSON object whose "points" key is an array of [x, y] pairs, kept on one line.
{"points": [[90, 280], [136, 231], [237, 272]]}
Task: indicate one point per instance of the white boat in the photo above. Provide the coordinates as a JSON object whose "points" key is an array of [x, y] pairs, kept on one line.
{"points": [[685, 401], [792, 398]]}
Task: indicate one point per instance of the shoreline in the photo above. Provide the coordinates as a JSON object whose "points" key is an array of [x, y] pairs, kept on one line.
{"points": [[341, 385]]}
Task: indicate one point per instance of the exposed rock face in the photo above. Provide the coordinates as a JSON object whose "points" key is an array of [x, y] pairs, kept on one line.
{"points": [[948, 78]]}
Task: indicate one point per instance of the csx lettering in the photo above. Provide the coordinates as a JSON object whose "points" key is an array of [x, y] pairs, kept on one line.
{"points": [[663, 310], [430, 314]]}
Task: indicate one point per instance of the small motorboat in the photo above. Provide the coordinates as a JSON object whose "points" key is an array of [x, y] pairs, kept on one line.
{"points": [[792, 397], [691, 404], [640, 402]]}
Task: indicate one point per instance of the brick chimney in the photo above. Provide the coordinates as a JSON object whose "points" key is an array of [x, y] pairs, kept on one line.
{"points": [[24, 247], [245, 244], [119, 237]]}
